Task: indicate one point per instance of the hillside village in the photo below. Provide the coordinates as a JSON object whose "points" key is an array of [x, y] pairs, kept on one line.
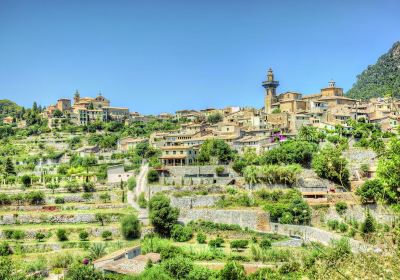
{"points": [[282, 192]]}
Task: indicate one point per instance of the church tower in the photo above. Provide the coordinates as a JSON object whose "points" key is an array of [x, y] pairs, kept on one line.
{"points": [[270, 86]]}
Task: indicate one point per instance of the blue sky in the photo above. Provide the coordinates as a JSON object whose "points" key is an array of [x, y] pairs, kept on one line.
{"points": [[157, 56]]}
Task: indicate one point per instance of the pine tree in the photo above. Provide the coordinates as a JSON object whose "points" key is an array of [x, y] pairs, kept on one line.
{"points": [[34, 107], [368, 226], [9, 167]]}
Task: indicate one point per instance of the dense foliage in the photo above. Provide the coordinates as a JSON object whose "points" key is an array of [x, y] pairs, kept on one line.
{"points": [[381, 78]]}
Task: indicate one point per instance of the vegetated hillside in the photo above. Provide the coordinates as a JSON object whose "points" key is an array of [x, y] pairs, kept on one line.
{"points": [[381, 78], [9, 108]]}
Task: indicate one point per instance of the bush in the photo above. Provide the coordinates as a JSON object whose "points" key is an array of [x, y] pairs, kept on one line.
{"points": [[265, 243], [130, 227], [333, 224], [181, 233], [343, 227], [88, 187], [105, 197], [341, 207], [369, 224], [35, 197], [83, 235], [40, 236], [131, 183], [219, 170], [152, 176], [5, 249], [59, 200], [232, 271], [62, 234], [26, 180], [216, 243], [18, 235], [106, 235], [142, 200], [72, 186], [370, 191], [201, 238], [239, 244]]}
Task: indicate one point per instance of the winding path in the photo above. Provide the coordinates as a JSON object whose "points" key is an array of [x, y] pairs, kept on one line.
{"points": [[141, 186]]}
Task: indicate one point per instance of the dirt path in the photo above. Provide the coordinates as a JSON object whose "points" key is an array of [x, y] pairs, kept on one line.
{"points": [[141, 186]]}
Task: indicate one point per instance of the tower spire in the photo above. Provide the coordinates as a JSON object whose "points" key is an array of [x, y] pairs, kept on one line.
{"points": [[270, 86]]}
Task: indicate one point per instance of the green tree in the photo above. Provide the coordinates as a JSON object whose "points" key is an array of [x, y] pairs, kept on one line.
{"points": [[308, 133], [370, 191], [26, 180], [368, 226], [162, 216], [388, 171], [215, 151], [130, 227], [83, 272], [215, 118], [52, 186], [330, 164], [131, 183], [152, 176], [87, 162], [9, 167]]}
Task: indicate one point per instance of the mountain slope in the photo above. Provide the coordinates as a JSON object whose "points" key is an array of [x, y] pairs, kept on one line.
{"points": [[381, 78]]}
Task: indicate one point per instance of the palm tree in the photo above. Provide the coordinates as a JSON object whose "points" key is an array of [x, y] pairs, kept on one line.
{"points": [[97, 250]]}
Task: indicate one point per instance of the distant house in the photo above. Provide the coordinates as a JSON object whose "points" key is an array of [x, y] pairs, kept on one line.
{"points": [[126, 261], [116, 174], [127, 143], [8, 120]]}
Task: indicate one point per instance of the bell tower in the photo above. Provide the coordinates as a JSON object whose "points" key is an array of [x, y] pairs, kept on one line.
{"points": [[270, 86]]}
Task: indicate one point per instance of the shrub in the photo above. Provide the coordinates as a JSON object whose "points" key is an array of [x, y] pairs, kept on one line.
{"points": [[201, 238], [343, 227], [62, 234], [105, 197], [87, 196], [152, 176], [232, 271], [181, 233], [5, 249], [83, 235], [370, 191], [369, 224], [96, 251], [333, 224], [239, 244], [106, 235], [5, 199], [52, 186], [142, 200], [26, 180], [59, 200], [131, 183], [219, 170], [18, 235], [216, 243], [40, 236], [265, 243], [341, 207], [88, 187], [130, 227], [81, 271], [72, 186], [35, 197]]}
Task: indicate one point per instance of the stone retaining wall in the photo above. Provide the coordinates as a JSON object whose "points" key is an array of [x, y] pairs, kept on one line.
{"points": [[357, 212], [188, 202], [10, 219], [317, 235], [252, 219]]}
